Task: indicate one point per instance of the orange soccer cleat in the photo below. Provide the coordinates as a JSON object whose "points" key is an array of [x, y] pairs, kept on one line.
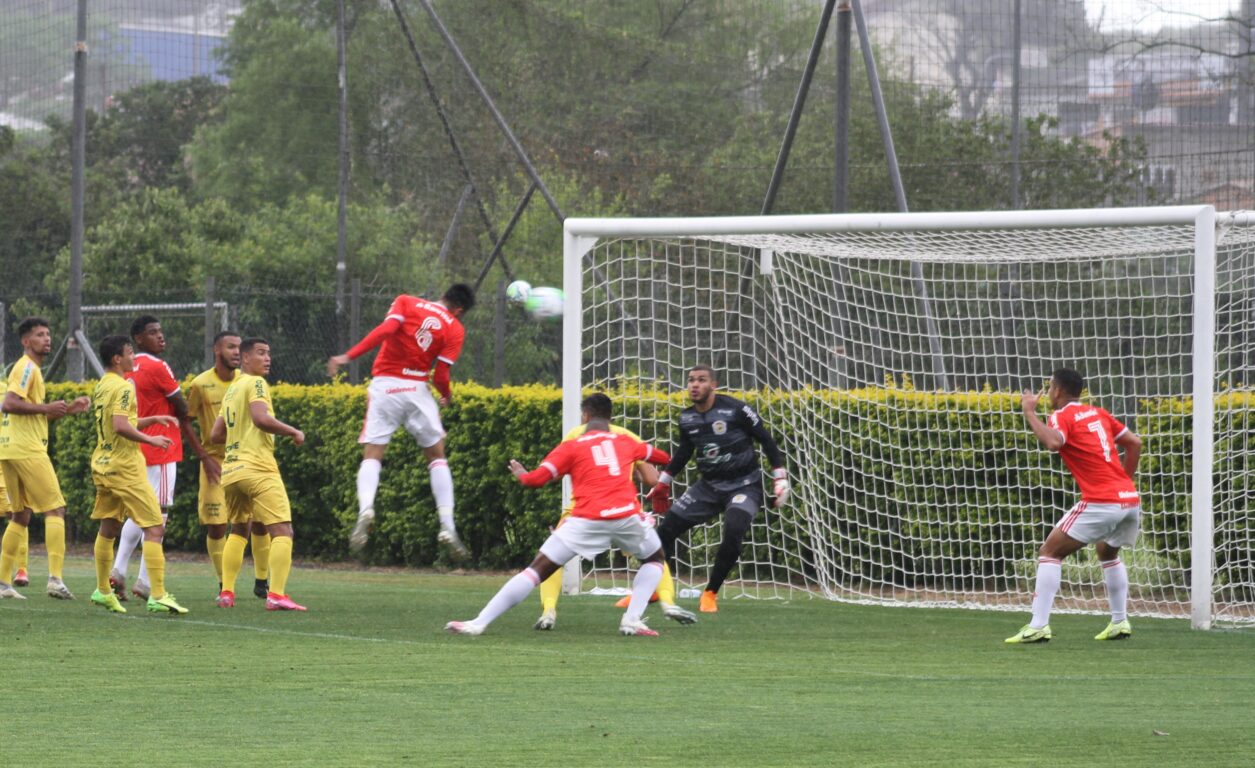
{"points": [[710, 602], [623, 602]]}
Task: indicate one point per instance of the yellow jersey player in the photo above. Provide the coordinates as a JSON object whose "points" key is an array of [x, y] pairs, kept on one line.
{"points": [[551, 587], [29, 479], [204, 401], [118, 470], [251, 483]]}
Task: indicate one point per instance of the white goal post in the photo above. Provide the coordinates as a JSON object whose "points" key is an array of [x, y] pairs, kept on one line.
{"points": [[887, 352]]}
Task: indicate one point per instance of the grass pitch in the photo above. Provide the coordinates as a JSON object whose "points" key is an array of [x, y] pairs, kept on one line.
{"points": [[368, 677]]}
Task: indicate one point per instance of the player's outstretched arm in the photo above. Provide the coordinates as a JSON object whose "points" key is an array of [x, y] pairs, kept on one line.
{"points": [[1050, 438], [1132, 445], [122, 427], [267, 423], [369, 342]]}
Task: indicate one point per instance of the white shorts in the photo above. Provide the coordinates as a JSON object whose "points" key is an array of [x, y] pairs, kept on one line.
{"points": [[1116, 524], [161, 478], [589, 538], [392, 403]]}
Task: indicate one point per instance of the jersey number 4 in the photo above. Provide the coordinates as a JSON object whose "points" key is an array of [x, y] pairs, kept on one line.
{"points": [[604, 456]]}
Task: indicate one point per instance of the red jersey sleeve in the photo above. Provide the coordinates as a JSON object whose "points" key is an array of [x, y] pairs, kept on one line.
{"points": [[553, 466], [452, 344], [163, 379], [1114, 424], [646, 452], [1062, 426]]}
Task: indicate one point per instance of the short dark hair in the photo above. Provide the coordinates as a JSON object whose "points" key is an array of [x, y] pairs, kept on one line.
{"points": [[112, 346], [223, 334], [459, 295], [142, 322], [29, 324], [714, 375], [247, 345], [1069, 381], [597, 406]]}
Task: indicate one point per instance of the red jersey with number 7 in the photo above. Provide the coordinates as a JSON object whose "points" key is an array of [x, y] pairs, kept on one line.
{"points": [[600, 466], [423, 333], [1090, 453]]}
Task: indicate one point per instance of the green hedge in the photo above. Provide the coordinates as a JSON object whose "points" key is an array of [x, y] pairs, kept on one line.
{"points": [[908, 473]]}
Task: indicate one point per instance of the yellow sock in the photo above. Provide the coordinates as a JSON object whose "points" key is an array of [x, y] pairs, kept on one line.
{"points": [[666, 587], [54, 540], [8, 550], [104, 562], [280, 563], [550, 588], [261, 555], [155, 559], [215, 547], [232, 561], [23, 551]]}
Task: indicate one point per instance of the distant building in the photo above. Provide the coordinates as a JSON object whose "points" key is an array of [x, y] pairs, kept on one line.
{"points": [[180, 47]]}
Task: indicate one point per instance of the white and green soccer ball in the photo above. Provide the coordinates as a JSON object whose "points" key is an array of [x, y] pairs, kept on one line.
{"points": [[545, 303], [518, 291]]}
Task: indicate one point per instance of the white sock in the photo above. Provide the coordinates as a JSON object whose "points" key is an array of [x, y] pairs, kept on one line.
{"points": [[128, 540], [442, 489], [511, 594], [1116, 577], [1049, 574], [643, 587], [367, 483]]}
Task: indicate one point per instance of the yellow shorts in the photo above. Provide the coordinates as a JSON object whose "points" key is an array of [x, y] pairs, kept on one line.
{"points": [[259, 497], [212, 501], [118, 499], [4, 498], [32, 484]]}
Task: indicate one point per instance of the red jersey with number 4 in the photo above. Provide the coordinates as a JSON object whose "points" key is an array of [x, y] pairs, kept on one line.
{"points": [[427, 333], [1090, 453], [600, 466], [154, 384]]}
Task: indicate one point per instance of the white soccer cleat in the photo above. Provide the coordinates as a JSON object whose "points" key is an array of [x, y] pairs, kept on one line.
{"points": [[638, 628], [678, 614], [361, 529], [450, 539], [141, 590], [546, 621], [464, 628], [7, 591], [58, 589]]}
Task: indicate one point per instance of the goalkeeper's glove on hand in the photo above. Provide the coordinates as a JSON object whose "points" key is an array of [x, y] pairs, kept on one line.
{"points": [[660, 495], [780, 488]]}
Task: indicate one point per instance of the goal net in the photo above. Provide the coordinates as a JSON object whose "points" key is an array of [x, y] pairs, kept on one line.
{"points": [[888, 352]]}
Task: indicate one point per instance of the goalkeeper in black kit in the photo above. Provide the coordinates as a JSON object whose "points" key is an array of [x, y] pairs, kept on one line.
{"points": [[720, 431]]}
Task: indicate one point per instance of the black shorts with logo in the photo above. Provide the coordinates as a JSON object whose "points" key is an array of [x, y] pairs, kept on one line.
{"points": [[703, 501]]}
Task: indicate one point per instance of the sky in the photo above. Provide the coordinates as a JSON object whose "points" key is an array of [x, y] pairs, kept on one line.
{"points": [[1149, 15]]}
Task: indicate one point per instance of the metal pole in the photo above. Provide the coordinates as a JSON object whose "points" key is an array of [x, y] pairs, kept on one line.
{"points": [[841, 172], [209, 321], [492, 109], [355, 326], [799, 102], [509, 229], [454, 225], [899, 193], [498, 358], [342, 184], [1017, 49], [78, 160]]}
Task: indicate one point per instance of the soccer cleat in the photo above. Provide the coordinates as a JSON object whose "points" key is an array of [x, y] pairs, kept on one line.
{"points": [[7, 591], [449, 538], [361, 529], [547, 620], [709, 603], [282, 603], [261, 587], [117, 582], [21, 578], [225, 599], [1029, 635], [678, 614], [141, 590], [638, 628], [1116, 630], [165, 604], [58, 589], [623, 602], [464, 628], [108, 600]]}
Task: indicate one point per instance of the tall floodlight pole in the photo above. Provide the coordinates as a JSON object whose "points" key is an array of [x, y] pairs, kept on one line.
{"points": [[841, 172], [342, 213], [78, 159], [1018, 51]]}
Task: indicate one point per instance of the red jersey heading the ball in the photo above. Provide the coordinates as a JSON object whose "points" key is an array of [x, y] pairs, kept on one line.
{"points": [[415, 334], [154, 384], [600, 466], [1089, 451]]}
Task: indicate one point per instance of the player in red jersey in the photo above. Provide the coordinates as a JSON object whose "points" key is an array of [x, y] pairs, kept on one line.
{"points": [[607, 514], [1087, 438], [157, 393], [416, 336]]}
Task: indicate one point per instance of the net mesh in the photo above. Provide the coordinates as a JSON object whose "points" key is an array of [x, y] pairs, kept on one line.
{"points": [[889, 365]]}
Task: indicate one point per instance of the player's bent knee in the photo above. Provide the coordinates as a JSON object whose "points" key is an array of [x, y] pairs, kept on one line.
{"points": [[736, 522]]}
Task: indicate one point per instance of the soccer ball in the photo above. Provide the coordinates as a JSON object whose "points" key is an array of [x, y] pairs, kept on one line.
{"points": [[545, 303], [518, 291]]}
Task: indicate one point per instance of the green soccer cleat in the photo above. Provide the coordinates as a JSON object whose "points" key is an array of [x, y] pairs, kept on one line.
{"points": [[166, 604], [1116, 630], [1029, 635], [108, 600]]}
